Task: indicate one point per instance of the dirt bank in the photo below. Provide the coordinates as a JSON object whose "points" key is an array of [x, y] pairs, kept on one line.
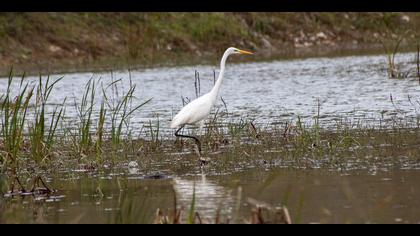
{"points": [[58, 42]]}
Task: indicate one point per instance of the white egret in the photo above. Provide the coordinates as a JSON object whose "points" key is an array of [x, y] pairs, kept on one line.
{"points": [[198, 109]]}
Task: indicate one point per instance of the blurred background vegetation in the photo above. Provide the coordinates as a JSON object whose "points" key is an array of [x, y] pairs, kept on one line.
{"points": [[53, 42]]}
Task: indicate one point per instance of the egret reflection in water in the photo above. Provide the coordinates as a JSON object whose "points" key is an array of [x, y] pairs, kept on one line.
{"points": [[209, 197]]}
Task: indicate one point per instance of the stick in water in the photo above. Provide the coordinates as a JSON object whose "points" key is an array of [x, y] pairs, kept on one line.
{"points": [[418, 62]]}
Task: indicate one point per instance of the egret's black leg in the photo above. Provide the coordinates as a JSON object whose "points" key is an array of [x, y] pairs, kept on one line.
{"points": [[197, 141]]}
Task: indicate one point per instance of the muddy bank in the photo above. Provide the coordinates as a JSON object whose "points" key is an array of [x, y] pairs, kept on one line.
{"points": [[63, 42]]}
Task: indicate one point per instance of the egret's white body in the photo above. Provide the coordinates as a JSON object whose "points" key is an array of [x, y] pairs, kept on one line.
{"points": [[200, 108]]}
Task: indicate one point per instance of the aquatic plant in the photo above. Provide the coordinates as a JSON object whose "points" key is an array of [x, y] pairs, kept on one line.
{"points": [[418, 62], [41, 135], [120, 109], [14, 111], [391, 68], [83, 138], [153, 133]]}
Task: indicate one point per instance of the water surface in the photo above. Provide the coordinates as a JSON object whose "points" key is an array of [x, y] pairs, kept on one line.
{"points": [[351, 88], [312, 196]]}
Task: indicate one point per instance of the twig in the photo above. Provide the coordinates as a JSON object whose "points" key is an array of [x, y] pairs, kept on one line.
{"points": [[418, 62], [16, 179], [217, 218], [286, 130], [197, 216], [214, 77], [257, 135], [197, 84], [224, 104], [36, 184]]}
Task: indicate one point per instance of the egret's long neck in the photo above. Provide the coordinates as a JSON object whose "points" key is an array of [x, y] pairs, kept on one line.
{"points": [[216, 88]]}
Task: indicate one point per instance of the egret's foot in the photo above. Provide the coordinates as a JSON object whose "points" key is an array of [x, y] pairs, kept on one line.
{"points": [[197, 141]]}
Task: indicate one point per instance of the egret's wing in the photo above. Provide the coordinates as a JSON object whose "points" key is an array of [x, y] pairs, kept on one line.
{"points": [[193, 112]]}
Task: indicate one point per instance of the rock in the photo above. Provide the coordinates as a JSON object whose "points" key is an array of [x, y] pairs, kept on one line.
{"points": [[133, 164], [190, 44], [198, 53], [115, 38], [312, 38], [133, 171], [329, 43], [302, 34], [307, 44], [266, 43], [321, 35], [405, 18], [303, 45], [253, 45], [54, 48], [133, 168]]}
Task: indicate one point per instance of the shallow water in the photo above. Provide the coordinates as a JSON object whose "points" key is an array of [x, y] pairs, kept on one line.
{"points": [[353, 88], [312, 196]]}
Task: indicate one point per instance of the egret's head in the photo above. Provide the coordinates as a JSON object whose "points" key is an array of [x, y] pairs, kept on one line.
{"points": [[233, 50]]}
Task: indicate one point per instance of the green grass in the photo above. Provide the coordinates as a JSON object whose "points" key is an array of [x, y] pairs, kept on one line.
{"points": [[102, 134], [14, 110], [38, 138], [85, 110], [41, 134]]}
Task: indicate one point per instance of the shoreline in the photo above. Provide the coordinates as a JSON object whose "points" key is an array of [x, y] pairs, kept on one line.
{"points": [[49, 43], [265, 55]]}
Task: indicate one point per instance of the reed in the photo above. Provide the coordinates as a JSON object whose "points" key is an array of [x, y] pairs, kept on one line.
{"points": [[120, 109], [83, 138], [418, 62], [390, 53], [13, 112], [41, 135]]}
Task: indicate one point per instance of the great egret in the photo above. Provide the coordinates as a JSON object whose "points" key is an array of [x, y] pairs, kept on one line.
{"points": [[200, 108]]}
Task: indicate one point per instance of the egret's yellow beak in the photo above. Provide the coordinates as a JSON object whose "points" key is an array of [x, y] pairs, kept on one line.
{"points": [[244, 52]]}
